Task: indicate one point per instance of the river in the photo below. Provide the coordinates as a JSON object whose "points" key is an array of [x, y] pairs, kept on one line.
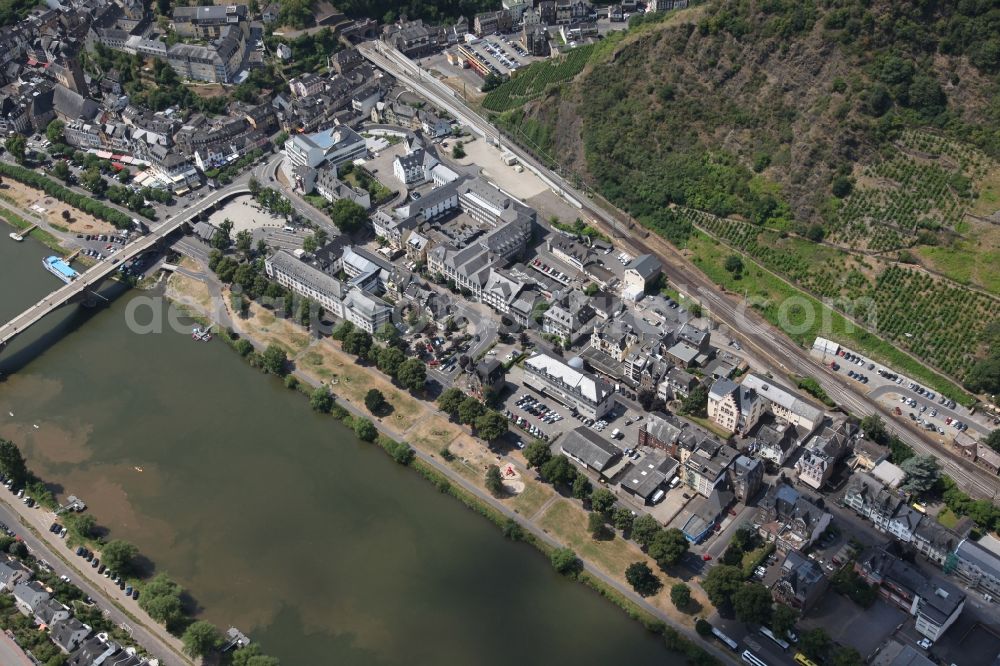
{"points": [[277, 520]]}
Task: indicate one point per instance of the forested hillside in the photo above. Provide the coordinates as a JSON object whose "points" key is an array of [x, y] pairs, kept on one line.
{"points": [[869, 130]]}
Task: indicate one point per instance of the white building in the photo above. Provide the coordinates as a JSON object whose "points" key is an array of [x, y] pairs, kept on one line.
{"points": [[572, 386], [366, 311], [785, 404], [936, 607], [335, 145], [736, 408], [303, 279]]}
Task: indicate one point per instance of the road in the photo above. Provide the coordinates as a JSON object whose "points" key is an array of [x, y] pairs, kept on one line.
{"points": [[98, 273], [108, 597], [781, 355]]}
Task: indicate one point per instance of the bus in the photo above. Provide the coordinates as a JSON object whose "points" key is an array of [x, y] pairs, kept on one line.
{"points": [[725, 639], [770, 634], [804, 660], [752, 659]]}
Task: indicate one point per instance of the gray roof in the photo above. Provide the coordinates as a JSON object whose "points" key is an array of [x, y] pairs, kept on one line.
{"points": [[313, 277], [645, 477], [663, 430], [985, 560], [586, 445], [646, 265], [62, 632]]}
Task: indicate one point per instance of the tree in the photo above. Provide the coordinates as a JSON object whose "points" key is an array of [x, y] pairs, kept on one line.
{"points": [[491, 426], [565, 561], [412, 374], [720, 584], [492, 81], [347, 215], [642, 579], [450, 401], [596, 525], [244, 241], [494, 481], [993, 440], [734, 264], [17, 146], [274, 360], [119, 555], [243, 346], [558, 471], [374, 400], [54, 131], [668, 547], [161, 598], [512, 530], [458, 150], [814, 644], [581, 485], [201, 638], [470, 410], [752, 604], [537, 453], [388, 333], [622, 517], [61, 170], [845, 656], [389, 359], [321, 400], [680, 595], [12, 463], [357, 342], [922, 473], [365, 430], [874, 428], [602, 501], [644, 529], [696, 403], [251, 656], [703, 627], [783, 619]]}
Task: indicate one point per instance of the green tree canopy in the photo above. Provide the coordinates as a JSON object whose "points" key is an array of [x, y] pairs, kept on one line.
{"points": [[412, 374], [374, 400], [321, 400], [680, 595], [494, 481], [537, 453], [581, 485], [491, 426], [450, 402], [347, 215], [622, 518], [922, 473], [558, 471], [470, 410], [357, 342], [274, 360], [696, 403], [644, 529], [119, 555], [752, 604], [201, 639], [365, 430], [668, 547], [783, 620], [642, 579], [389, 359], [12, 463], [720, 584], [602, 501], [565, 561]]}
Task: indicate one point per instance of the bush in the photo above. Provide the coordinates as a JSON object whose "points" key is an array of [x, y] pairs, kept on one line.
{"points": [[565, 561], [365, 430]]}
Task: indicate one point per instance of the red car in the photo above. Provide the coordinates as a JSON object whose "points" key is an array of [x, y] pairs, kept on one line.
{"points": [[706, 557]]}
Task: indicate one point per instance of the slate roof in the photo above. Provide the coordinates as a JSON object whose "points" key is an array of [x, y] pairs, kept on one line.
{"points": [[586, 445]]}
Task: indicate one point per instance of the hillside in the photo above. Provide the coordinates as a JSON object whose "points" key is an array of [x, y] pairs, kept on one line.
{"points": [[828, 141]]}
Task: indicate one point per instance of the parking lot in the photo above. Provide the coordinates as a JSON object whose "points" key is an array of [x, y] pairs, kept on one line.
{"points": [[887, 386]]}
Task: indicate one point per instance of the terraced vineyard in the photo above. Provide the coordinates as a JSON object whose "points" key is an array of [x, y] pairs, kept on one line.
{"points": [[936, 320], [925, 186], [535, 79]]}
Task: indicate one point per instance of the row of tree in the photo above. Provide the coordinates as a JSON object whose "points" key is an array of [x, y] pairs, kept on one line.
{"points": [[488, 424], [53, 189]]}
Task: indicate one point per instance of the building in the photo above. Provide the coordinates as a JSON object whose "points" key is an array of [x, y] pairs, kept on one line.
{"points": [[785, 404], [706, 468], [577, 389], [733, 407], [659, 433], [29, 596], [13, 573], [869, 498], [590, 449], [335, 145], [646, 480], [892, 476], [217, 62], [487, 377], [978, 565], [937, 607], [816, 464], [305, 280], [790, 520], [365, 310], [801, 582], [68, 634], [775, 442], [935, 541], [307, 85], [569, 316], [904, 522], [639, 274], [535, 38], [746, 475], [414, 167], [897, 654], [898, 582], [491, 23], [703, 513], [209, 22]]}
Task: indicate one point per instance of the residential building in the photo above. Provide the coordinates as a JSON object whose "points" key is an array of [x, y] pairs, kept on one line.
{"points": [[935, 541], [904, 523], [978, 565], [894, 653], [775, 441], [572, 386], [209, 22], [801, 582], [869, 498], [572, 11], [218, 62], [733, 407], [784, 403], [487, 377], [68, 633], [822, 452], [535, 38], [414, 167], [746, 475], [306, 85], [899, 582], [867, 454], [331, 188], [646, 479], [590, 449], [706, 468], [892, 476], [413, 38], [569, 315], [703, 513], [13, 573], [658, 432], [335, 145], [490, 23], [29, 596], [305, 280], [790, 520]]}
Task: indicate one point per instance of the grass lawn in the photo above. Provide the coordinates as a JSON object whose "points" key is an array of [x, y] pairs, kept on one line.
{"points": [[44, 237], [948, 518], [568, 522], [965, 264], [530, 500], [432, 434]]}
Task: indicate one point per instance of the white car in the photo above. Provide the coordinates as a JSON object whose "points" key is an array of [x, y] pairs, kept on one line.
{"points": [[925, 643]]}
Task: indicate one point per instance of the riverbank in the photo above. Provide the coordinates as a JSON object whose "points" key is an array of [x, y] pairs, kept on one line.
{"points": [[548, 520]]}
